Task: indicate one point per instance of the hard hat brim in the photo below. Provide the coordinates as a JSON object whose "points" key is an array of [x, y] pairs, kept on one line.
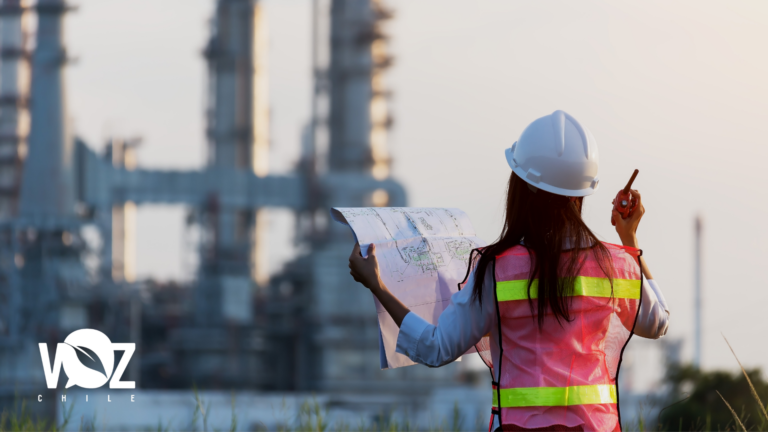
{"points": [[552, 189]]}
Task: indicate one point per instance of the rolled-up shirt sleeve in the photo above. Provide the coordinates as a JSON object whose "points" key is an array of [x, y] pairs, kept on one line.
{"points": [[460, 326], [411, 330], [653, 319]]}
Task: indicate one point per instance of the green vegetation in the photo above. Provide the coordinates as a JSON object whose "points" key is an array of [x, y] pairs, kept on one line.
{"points": [[698, 401], [21, 419], [312, 417], [716, 400]]}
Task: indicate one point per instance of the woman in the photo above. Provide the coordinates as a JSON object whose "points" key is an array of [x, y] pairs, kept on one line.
{"points": [[558, 305]]}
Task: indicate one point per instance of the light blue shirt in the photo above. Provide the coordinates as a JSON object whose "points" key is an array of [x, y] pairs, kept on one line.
{"points": [[465, 321]]}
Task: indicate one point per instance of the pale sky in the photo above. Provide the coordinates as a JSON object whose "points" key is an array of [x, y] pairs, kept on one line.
{"points": [[676, 89]]}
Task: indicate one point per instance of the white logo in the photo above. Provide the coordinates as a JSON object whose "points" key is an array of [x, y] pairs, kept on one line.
{"points": [[99, 345]]}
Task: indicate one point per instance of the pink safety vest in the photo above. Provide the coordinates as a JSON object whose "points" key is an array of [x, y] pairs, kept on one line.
{"points": [[563, 375]]}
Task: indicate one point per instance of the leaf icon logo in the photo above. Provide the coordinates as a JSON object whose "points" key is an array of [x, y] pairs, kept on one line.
{"points": [[90, 359]]}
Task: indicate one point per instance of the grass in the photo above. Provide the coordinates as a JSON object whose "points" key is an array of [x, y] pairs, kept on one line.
{"points": [[21, 419], [751, 386], [313, 417], [713, 386], [764, 420]]}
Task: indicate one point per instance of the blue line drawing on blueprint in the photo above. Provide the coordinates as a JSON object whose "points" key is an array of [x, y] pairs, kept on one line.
{"points": [[423, 255], [426, 239]]}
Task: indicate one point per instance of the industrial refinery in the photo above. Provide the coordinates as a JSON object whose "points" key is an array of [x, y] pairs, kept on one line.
{"points": [[238, 333], [235, 327]]}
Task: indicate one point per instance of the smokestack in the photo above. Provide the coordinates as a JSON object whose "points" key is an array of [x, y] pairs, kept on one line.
{"points": [[47, 189], [697, 294]]}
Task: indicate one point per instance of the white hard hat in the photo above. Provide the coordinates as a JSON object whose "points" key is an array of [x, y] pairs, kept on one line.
{"points": [[556, 154]]}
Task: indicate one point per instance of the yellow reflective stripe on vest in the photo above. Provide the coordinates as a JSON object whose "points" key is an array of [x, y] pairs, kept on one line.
{"points": [[582, 286], [555, 396]]}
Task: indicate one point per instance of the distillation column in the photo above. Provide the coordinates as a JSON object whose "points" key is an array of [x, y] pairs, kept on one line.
{"points": [[359, 117], [14, 128], [47, 199], [47, 192], [44, 234], [345, 338], [14, 91], [222, 348], [234, 261]]}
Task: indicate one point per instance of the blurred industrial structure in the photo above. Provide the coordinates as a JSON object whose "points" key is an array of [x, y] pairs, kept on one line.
{"points": [[698, 226], [14, 97], [307, 328]]}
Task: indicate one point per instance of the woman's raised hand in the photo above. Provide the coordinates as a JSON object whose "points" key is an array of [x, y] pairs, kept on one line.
{"points": [[365, 270], [627, 228]]}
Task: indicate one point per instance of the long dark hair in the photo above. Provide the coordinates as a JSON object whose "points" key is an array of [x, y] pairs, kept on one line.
{"points": [[544, 222]]}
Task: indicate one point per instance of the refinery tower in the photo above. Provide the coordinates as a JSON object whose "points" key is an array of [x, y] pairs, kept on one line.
{"points": [[306, 328]]}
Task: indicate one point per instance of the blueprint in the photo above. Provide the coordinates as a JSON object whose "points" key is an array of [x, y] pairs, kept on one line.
{"points": [[423, 254]]}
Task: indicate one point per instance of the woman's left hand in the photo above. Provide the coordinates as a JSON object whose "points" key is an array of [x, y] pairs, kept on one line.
{"points": [[365, 270]]}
